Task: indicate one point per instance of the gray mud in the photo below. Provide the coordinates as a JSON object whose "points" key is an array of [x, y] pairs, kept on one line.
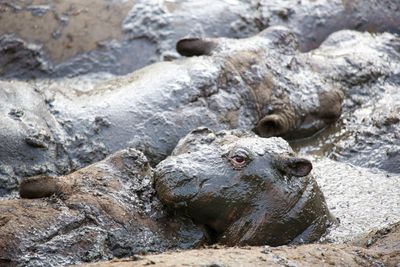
{"points": [[361, 198], [75, 37]]}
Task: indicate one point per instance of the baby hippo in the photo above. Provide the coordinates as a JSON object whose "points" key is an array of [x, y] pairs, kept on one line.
{"points": [[245, 189]]}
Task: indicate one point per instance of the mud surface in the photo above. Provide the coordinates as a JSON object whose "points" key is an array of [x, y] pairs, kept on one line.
{"points": [[71, 38], [63, 120], [361, 198], [379, 248], [75, 37]]}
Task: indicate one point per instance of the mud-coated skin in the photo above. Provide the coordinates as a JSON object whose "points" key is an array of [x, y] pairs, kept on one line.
{"points": [[262, 83], [247, 190], [372, 136], [51, 38], [367, 133], [111, 209], [313, 21], [108, 209]]}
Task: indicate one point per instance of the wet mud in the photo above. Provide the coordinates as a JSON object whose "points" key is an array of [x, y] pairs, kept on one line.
{"points": [[378, 248], [72, 38], [332, 93]]}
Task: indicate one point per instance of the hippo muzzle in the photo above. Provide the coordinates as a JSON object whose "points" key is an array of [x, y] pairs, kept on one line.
{"points": [[247, 190]]}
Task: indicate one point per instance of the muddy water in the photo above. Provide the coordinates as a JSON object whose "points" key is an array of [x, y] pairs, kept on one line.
{"points": [[362, 197]]}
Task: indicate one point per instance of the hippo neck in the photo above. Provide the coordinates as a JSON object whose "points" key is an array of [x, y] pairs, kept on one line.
{"points": [[305, 221]]}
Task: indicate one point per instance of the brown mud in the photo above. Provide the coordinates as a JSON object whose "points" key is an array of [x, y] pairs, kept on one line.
{"points": [[379, 248]]}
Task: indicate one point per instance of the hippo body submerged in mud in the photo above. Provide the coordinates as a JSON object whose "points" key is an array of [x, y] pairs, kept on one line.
{"points": [[47, 128], [231, 187], [262, 83]]}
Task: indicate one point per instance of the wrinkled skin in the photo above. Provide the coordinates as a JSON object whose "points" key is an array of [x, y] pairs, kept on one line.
{"points": [[262, 83], [52, 38], [108, 209], [248, 190]]}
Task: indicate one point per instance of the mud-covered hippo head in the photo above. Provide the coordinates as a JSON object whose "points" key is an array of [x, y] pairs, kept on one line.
{"points": [[247, 190], [291, 98]]}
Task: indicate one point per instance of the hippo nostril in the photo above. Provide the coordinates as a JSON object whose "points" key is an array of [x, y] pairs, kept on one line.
{"points": [[270, 126]]}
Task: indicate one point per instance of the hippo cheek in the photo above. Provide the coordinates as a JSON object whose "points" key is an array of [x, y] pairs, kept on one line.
{"points": [[272, 125], [310, 126], [328, 111]]}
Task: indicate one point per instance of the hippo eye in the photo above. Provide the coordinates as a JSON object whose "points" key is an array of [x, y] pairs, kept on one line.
{"points": [[239, 160]]}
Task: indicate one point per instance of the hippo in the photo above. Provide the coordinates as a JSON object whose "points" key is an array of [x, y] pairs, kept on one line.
{"points": [[244, 188], [52, 39], [367, 132], [227, 187], [373, 137], [108, 209], [262, 83], [49, 129]]}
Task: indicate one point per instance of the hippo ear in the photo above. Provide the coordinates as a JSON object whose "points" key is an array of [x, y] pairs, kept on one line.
{"points": [[295, 166], [38, 187], [195, 46]]}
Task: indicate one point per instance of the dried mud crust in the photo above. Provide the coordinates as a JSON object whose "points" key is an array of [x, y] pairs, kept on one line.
{"points": [[378, 248], [306, 255]]}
